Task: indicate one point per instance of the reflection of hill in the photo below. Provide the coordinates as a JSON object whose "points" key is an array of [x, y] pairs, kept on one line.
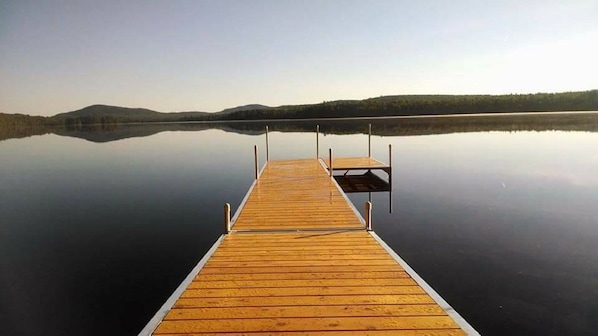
{"points": [[22, 132], [380, 126], [107, 133]]}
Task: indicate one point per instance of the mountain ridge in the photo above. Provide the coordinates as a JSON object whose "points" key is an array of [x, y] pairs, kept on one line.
{"points": [[394, 105]]}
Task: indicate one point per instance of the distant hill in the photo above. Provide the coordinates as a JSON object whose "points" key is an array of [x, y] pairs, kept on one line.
{"points": [[110, 111], [103, 114], [244, 108], [97, 114]]}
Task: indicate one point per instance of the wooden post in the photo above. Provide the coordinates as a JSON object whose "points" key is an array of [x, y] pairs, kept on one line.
{"points": [[255, 158], [267, 146], [330, 161], [226, 218], [368, 216], [317, 141], [369, 140]]}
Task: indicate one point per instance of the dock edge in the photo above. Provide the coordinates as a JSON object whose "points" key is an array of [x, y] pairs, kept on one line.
{"points": [[153, 323]]}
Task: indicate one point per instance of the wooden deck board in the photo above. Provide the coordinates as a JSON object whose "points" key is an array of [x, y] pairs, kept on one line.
{"points": [[305, 311], [427, 332], [354, 163], [307, 324], [289, 282]]}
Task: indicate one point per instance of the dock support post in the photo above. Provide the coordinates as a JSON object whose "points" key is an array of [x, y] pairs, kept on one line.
{"points": [[267, 146], [317, 142], [368, 216], [226, 218], [330, 161], [369, 140], [255, 159]]}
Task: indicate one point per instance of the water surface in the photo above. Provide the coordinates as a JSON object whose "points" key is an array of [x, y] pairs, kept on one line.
{"points": [[98, 229]]}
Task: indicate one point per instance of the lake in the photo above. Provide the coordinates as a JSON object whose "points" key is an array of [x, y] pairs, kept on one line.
{"points": [[499, 215]]}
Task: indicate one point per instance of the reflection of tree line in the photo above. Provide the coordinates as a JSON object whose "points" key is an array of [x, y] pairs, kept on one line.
{"points": [[22, 126], [430, 125], [386, 127]]}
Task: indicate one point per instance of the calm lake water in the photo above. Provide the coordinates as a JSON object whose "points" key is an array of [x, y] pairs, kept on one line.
{"points": [[98, 228]]}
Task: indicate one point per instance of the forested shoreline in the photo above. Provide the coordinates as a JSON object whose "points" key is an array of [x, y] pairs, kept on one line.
{"points": [[405, 105]]}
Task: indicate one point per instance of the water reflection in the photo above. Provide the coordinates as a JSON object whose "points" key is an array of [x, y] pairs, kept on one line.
{"points": [[95, 235], [399, 126]]}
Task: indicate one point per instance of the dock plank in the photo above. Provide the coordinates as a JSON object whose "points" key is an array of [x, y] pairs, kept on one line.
{"points": [[308, 324], [404, 281], [427, 332], [305, 311]]}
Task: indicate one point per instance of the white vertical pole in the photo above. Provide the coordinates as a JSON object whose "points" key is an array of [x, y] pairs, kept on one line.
{"points": [[330, 161], [390, 177], [227, 218], [369, 140], [255, 159], [390, 161], [317, 141], [368, 216], [267, 146]]}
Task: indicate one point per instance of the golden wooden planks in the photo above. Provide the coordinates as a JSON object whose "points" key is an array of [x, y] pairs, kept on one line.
{"points": [[321, 300], [301, 291], [267, 283], [335, 281], [305, 311], [296, 195], [277, 290], [371, 275]]}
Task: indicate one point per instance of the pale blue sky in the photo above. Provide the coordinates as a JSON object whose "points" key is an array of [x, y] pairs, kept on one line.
{"points": [[60, 55]]}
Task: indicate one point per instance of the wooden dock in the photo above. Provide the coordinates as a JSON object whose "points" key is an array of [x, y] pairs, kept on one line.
{"points": [[297, 260], [296, 195]]}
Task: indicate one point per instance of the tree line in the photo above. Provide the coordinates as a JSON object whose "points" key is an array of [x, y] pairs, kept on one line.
{"points": [[403, 105], [430, 105]]}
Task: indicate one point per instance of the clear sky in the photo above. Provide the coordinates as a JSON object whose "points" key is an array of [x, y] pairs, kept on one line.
{"points": [[198, 55]]}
